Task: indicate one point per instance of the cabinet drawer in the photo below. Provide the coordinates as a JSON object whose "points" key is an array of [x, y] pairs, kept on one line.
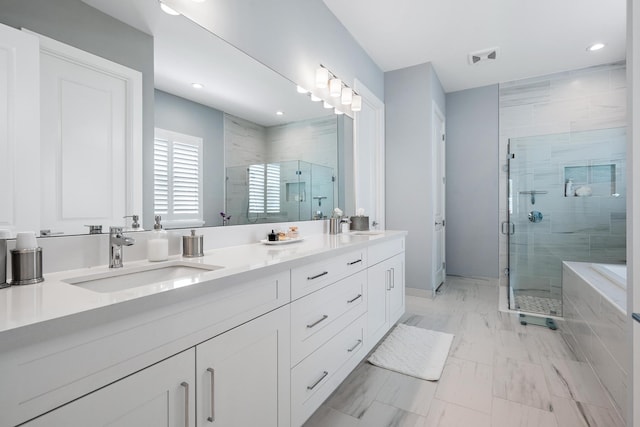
{"points": [[311, 277], [319, 316], [315, 378], [385, 250]]}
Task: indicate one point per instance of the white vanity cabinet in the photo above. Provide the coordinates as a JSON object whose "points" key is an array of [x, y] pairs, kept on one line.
{"points": [[385, 290], [243, 375], [160, 395]]}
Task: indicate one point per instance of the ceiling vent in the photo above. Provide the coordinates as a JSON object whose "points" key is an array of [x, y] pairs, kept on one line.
{"points": [[483, 55]]}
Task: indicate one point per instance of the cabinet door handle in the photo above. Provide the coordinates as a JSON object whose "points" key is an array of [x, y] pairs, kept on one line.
{"points": [[355, 346], [213, 401], [387, 279], [186, 402], [393, 277], [324, 317], [324, 273], [354, 299], [318, 381], [354, 262]]}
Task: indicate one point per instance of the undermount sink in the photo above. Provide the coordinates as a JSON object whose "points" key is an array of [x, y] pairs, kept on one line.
{"points": [[367, 233], [127, 278]]}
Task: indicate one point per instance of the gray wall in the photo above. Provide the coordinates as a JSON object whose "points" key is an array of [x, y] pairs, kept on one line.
{"points": [[472, 182], [409, 97], [79, 25], [292, 37], [188, 117]]}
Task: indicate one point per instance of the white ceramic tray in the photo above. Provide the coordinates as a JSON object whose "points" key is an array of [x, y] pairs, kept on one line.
{"points": [[281, 242]]}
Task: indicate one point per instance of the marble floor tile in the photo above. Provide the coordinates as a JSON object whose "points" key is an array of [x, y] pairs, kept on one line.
{"points": [[358, 390], [443, 414], [381, 415], [570, 413], [521, 382], [328, 417], [505, 413], [576, 381], [408, 393], [549, 343], [467, 384], [513, 345], [473, 347]]}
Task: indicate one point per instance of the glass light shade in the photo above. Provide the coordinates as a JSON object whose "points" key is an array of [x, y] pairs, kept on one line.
{"points": [[166, 9], [335, 88], [327, 105], [300, 89], [315, 98], [322, 77], [338, 112], [347, 96], [356, 102], [595, 46]]}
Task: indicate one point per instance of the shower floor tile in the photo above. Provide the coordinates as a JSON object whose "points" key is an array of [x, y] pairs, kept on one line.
{"points": [[540, 305]]}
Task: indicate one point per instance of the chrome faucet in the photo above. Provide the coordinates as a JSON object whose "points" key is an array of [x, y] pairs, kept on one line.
{"points": [[116, 241]]}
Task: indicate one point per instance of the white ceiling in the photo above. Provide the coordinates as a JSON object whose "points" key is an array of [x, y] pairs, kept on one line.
{"points": [[535, 37], [235, 83]]}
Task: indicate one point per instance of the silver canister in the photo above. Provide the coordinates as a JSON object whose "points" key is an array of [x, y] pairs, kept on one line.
{"points": [[193, 246], [334, 225], [360, 223], [26, 266]]}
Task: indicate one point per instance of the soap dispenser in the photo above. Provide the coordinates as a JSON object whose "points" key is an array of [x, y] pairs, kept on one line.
{"points": [[158, 243]]}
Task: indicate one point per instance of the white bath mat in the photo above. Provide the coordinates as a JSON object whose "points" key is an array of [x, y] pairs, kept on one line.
{"points": [[413, 351]]}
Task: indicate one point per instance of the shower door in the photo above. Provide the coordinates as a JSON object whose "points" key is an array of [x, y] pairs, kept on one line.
{"points": [[566, 202]]}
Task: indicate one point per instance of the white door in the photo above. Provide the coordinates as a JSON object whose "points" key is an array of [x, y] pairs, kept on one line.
{"points": [[439, 183], [244, 374], [161, 395], [91, 139], [19, 130], [369, 157]]}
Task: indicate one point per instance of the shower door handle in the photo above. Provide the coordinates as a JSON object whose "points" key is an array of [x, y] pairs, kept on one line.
{"points": [[508, 227]]}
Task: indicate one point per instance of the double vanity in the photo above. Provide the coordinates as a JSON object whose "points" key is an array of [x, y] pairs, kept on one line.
{"points": [[248, 335]]}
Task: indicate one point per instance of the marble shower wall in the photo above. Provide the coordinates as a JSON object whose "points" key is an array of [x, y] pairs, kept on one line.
{"points": [[573, 101]]}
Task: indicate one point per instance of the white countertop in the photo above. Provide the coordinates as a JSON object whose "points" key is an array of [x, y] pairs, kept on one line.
{"points": [[52, 299]]}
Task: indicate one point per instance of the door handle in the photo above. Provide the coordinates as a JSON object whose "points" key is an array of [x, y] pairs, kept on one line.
{"points": [[213, 401], [440, 222]]}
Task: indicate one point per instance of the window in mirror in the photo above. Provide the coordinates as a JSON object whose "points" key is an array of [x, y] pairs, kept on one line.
{"points": [[177, 171], [264, 188]]}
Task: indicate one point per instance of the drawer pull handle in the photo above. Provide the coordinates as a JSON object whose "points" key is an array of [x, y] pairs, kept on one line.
{"points": [[324, 317], [393, 277], [212, 418], [312, 386], [324, 273], [186, 402], [356, 298], [354, 262], [355, 346]]}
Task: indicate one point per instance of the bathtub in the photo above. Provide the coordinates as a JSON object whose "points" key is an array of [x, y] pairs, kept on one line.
{"points": [[594, 308]]}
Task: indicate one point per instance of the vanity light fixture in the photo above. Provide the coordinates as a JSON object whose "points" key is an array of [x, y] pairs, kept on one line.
{"points": [[326, 105], [356, 103], [346, 96], [166, 9], [300, 89], [322, 78], [198, 1], [197, 85], [595, 46], [335, 87], [314, 98]]}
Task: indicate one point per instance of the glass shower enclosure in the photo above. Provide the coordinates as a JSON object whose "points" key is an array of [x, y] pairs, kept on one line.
{"points": [[279, 192], [566, 202]]}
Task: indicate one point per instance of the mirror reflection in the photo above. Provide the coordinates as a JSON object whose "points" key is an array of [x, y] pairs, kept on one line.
{"points": [[225, 140]]}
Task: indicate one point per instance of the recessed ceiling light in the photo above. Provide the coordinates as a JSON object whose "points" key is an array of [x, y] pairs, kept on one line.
{"points": [[279, 113], [197, 85], [166, 9], [595, 46]]}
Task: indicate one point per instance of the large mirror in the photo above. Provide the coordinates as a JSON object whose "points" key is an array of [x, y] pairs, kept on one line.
{"points": [[246, 146]]}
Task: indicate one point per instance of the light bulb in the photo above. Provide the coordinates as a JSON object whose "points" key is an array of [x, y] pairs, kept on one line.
{"points": [[347, 96], [166, 9], [300, 89], [356, 102], [335, 87], [595, 46], [322, 77], [338, 112], [327, 105], [315, 98]]}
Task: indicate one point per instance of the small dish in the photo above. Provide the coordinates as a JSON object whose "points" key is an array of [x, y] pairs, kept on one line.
{"points": [[281, 242]]}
